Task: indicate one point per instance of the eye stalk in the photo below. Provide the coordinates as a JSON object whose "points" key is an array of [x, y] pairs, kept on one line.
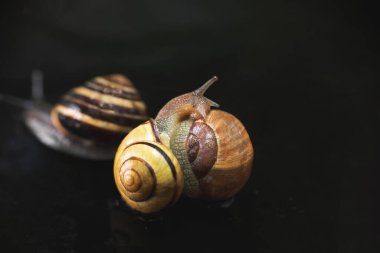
{"points": [[202, 104], [205, 153], [202, 90]]}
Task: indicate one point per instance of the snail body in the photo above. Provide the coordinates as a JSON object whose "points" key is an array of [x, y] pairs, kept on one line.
{"points": [[212, 147]]}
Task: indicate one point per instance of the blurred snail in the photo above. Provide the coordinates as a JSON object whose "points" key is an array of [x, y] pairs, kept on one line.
{"points": [[90, 120], [205, 153]]}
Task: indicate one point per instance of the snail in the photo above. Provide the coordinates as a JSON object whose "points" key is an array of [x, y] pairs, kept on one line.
{"points": [[206, 153], [90, 120]]}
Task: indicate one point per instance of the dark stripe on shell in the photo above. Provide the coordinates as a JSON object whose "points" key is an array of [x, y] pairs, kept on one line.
{"points": [[108, 106], [171, 166], [79, 128], [117, 119], [151, 171], [164, 155], [112, 91]]}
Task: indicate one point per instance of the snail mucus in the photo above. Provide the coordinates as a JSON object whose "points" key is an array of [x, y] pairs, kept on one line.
{"points": [[90, 120], [189, 147]]}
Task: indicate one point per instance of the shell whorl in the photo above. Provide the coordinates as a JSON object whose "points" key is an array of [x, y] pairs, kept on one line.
{"points": [[210, 151], [224, 158], [147, 174], [106, 107], [202, 148]]}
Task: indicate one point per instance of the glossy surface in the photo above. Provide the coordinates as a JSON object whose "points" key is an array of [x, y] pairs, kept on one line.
{"points": [[234, 158], [103, 109], [147, 174], [202, 148]]}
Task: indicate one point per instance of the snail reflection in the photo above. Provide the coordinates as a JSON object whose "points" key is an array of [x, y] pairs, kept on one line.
{"points": [[204, 228]]}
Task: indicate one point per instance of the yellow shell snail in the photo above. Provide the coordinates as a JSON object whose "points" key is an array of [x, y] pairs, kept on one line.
{"points": [[188, 147]]}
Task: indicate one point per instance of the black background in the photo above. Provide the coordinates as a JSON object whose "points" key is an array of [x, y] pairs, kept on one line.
{"points": [[302, 77]]}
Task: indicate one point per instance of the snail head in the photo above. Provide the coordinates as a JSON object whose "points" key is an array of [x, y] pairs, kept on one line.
{"points": [[200, 103]]}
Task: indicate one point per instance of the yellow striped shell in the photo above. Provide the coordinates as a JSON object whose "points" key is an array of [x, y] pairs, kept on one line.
{"points": [[147, 174], [207, 152], [104, 108]]}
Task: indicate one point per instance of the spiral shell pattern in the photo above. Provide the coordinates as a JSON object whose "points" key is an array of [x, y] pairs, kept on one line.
{"points": [[105, 108], [221, 155], [147, 174]]}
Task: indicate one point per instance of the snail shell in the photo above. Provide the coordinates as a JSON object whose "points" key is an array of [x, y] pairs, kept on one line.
{"points": [[104, 108], [221, 155], [147, 174], [211, 148], [90, 120]]}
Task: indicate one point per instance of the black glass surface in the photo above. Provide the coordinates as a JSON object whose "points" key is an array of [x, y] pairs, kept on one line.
{"points": [[301, 76]]}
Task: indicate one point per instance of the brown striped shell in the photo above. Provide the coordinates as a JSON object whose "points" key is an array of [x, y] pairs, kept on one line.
{"points": [[105, 109], [221, 155], [147, 174]]}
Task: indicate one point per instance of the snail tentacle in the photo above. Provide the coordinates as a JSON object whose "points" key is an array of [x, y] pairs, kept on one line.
{"points": [[212, 149]]}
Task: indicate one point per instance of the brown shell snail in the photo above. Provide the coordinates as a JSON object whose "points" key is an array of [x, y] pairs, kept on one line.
{"points": [[205, 153], [90, 120]]}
